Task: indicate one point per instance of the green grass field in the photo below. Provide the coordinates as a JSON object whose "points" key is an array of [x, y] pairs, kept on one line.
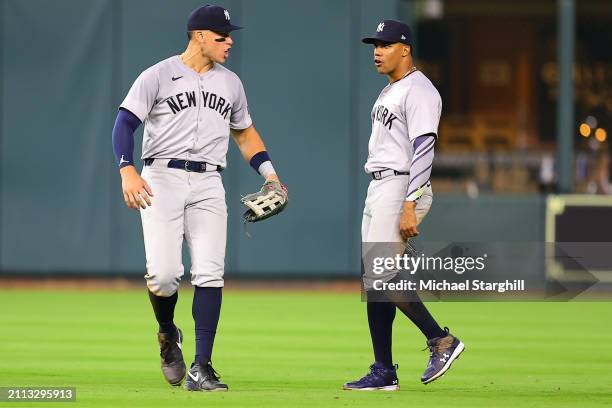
{"points": [[296, 349]]}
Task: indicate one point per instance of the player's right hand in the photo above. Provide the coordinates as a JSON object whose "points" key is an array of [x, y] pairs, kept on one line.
{"points": [[408, 221], [136, 192]]}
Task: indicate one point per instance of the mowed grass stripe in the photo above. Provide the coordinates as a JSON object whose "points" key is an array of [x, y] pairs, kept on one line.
{"points": [[279, 349]]}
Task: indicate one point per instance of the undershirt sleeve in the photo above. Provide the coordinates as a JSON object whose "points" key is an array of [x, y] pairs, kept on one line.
{"points": [[126, 124]]}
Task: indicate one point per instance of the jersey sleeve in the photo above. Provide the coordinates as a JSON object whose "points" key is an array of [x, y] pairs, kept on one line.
{"points": [[141, 96], [240, 119], [423, 109]]}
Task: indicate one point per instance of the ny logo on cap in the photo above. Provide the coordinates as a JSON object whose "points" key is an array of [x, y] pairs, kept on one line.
{"points": [[403, 37], [380, 27], [226, 14]]}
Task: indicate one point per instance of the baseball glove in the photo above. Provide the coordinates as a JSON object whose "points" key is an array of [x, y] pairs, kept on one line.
{"points": [[271, 199]]}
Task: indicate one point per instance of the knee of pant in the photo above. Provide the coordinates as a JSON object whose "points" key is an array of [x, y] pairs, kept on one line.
{"points": [[162, 286], [163, 277]]}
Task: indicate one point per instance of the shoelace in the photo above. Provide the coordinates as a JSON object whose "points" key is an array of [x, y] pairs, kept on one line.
{"points": [[435, 348], [373, 372], [433, 352], [369, 376], [165, 351], [210, 372]]}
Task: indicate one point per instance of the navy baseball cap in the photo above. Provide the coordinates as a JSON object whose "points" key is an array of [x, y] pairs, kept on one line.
{"points": [[391, 31], [210, 17]]}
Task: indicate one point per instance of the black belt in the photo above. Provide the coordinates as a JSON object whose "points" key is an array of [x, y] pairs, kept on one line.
{"points": [[378, 175], [198, 167]]}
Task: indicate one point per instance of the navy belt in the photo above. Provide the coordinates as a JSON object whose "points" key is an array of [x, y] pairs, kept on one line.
{"points": [[197, 167], [381, 174]]}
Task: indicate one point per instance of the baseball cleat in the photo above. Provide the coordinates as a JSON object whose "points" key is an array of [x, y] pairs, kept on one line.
{"points": [[379, 378], [443, 351], [172, 363], [204, 378]]}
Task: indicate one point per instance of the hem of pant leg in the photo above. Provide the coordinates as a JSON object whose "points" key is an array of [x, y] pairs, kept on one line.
{"points": [[209, 285]]}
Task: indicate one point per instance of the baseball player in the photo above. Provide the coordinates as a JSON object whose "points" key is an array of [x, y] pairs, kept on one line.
{"points": [[189, 104], [400, 153]]}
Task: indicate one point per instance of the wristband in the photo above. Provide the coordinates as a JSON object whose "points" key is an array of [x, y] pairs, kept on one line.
{"points": [[266, 169], [262, 164]]}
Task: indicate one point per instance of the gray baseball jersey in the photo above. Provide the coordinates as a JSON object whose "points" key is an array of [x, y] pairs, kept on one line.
{"points": [[404, 110], [187, 115]]}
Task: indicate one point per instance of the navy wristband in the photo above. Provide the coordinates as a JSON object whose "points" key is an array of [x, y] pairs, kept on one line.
{"points": [[258, 159]]}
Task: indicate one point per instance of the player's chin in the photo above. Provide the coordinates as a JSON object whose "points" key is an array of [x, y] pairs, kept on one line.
{"points": [[221, 58]]}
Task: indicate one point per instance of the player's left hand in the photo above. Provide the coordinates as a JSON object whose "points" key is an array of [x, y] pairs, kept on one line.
{"points": [[408, 221], [270, 200]]}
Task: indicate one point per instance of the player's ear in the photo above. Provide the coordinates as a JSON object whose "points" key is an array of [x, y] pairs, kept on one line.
{"points": [[200, 36], [406, 51]]}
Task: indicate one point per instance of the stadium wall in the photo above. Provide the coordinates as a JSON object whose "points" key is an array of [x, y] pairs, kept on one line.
{"points": [[65, 68]]}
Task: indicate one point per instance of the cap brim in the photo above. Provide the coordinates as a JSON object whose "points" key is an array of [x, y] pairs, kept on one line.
{"points": [[227, 29], [220, 29], [234, 28], [374, 40]]}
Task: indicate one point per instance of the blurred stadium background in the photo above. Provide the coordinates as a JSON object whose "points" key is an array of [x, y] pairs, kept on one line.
{"points": [[518, 123]]}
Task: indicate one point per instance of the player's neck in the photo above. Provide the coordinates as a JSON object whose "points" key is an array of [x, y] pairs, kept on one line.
{"points": [[193, 58], [400, 73]]}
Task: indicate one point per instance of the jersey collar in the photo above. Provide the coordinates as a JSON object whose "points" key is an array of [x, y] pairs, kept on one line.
{"points": [[413, 70], [190, 71]]}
